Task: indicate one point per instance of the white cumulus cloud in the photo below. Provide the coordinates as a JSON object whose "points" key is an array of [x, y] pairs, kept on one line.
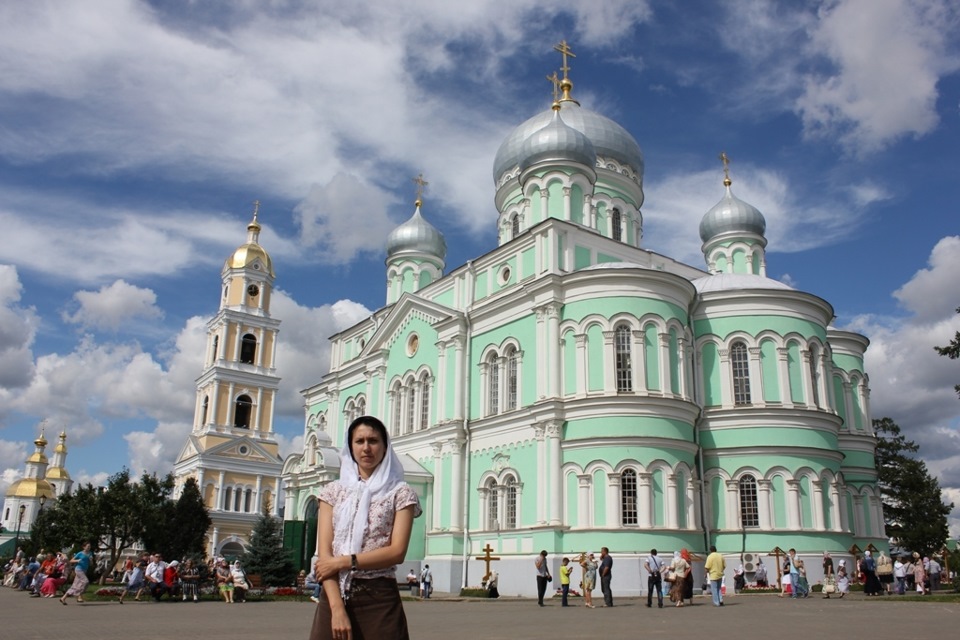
{"points": [[114, 306]]}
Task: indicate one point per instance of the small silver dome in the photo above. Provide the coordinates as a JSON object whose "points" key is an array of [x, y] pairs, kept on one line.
{"points": [[416, 236], [608, 138], [732, 214], [556, 142]]}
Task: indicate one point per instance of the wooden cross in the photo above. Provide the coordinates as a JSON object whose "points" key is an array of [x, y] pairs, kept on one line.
{"points": [[565, 51], [487, 558], [777, 552], [556, 86], [725, 159], [421, 185]]}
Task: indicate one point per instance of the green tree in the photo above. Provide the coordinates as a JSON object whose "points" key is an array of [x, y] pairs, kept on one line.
{"points": [[266, 554], [952, 351], [190, 524], [913, 508]]}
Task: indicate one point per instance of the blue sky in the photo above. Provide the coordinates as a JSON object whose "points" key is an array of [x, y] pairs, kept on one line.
{"points": [[135, 135]]}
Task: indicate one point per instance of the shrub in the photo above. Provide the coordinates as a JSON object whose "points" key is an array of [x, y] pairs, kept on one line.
{"points": [[474, 592]]}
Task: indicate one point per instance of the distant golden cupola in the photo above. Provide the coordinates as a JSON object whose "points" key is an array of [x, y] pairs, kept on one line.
{"points": [[251, 254]]}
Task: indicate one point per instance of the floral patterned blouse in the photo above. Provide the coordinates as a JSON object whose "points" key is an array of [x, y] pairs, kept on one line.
{"points": [[380, 521]]}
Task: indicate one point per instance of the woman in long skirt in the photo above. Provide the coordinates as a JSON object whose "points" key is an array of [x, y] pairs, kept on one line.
{"points": [[80, 580], [843, 580]]}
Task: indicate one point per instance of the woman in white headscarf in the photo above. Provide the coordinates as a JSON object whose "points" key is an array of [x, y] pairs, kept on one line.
{"points": [[364, 528], [843, 579]]}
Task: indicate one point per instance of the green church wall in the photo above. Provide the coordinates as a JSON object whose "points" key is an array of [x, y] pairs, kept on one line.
{"points": [[450, 382], [806, 503], [732, 464], [841, 405], [610, 306], [721, 264], [847, 363], [599, 496], [778, 497], [602, 257], [857, 412], [682, 479], [772, 436], [675, 373], [613, 426], [535, 208], [425, 279], [601, 210], [734, 541], [755, 324], [826, 508], [510, 263], [795, 372], [650, 343], [524, 331], [572, 484], [768, 369], [739, 261], [529, 261], [595, 360], [480, 286], [399, 363], [576, 204], [858, 459], [710, 359], [555, 191], [569, 362], [445, 298], [718, 504], [659, 489]]}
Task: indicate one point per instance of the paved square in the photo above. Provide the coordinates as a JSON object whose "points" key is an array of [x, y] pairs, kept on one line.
{"points": [[756, 616]]}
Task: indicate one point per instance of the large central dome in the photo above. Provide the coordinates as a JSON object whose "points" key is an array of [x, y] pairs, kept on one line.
{"points": [[609, 139]]}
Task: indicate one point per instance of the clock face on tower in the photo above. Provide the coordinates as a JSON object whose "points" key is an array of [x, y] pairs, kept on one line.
{"points": [[253, 290]]}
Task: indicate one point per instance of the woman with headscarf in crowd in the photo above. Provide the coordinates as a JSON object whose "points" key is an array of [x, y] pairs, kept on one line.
{"points": [[136, 582], [56, 578], [919, 576], [240, 584], [364, 529], [761, 574], [843, 579], [871, 584], [681, 570], [828, 574], [224, 579], [885, 573]]}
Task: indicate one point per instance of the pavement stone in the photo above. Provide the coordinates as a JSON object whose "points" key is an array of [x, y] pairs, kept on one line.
{"points": [[749, 616]]}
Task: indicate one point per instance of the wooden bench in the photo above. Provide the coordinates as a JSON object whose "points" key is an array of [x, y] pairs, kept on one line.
{"points": [[256, 585]]}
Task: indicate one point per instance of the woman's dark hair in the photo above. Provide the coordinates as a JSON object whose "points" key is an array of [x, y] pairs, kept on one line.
{"points": [[373, 423]]}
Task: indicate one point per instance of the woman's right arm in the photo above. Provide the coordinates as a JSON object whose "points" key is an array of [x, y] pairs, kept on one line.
{"points": [[340, 621]]}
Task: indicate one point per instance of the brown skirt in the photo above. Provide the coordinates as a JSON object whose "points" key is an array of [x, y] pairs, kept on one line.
{"points": [[374, 608]]}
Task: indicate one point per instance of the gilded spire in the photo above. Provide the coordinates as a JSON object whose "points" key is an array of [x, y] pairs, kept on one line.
{"points": [[421, 186], [555, 81], [254, 224], [725, 159], [41, 441], [566, 85]]}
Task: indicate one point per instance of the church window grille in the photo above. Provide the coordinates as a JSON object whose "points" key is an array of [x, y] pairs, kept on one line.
{"points": [[248, 349], [493, 386], [815, 377], [411, 408], [617, 223], [216, 349], [493, 505], [740, 367], [515, 226], [247, 500], [510, 503], [227, 498], [628, 497], [749, 508], [204, 409], [624, 370], [512, 366], [241, 413], [425, 406]]}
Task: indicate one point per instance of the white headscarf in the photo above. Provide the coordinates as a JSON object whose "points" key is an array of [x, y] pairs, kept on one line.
{"points": [[351, 515]]}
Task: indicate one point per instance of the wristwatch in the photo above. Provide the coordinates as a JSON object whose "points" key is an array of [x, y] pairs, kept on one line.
{"points": [[353, 563]]}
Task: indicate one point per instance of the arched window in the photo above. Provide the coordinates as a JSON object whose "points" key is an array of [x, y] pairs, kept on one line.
{"points": [[510, 503], [815, 376], [241, 412], [425, 405], [515, 226], [361, 406], [237, 498], [740, 367], [493, 505], [247, 500], [216, 349], [397, 401], [322, 423], [203, 411], [227, 498], [621, 346], [248, 348], [493, 385], [616, 222], [628, 497], [512, 359], [411, 407], [749, 511]]}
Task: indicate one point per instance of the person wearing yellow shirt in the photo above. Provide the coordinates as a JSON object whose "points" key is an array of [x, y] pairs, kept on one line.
{"points": [[565, 571], [715, 566]]}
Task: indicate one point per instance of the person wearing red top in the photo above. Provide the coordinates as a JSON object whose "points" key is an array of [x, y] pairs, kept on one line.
{"points": [[171, 578]]}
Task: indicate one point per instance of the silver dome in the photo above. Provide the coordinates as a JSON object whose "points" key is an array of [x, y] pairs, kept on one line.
{"points": [[609, 139], [556, 142], [732, 214], [417, 236], [737, 282]]}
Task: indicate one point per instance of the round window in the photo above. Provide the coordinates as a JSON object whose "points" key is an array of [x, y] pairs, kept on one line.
{"points": [[413, 343], [244, 449], [504, 275]]}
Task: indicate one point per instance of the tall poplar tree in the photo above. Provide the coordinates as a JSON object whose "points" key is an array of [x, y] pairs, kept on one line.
{"points": [[952, 351]]}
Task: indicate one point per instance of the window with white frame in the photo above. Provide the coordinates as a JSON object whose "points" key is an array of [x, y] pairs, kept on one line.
{"points": [[616, 224], [425, 404], [628, 497], [411, 408], [749, 507], [493, 504], [361, 406], [510, 503], [621, 347], [515, 226], [397, 401], [815, 376], [740, 369], [493, 385], [512, 359]]}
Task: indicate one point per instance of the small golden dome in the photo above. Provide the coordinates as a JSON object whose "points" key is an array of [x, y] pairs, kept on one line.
{"points": [[57, 473], [30, 488], [250, 253]]}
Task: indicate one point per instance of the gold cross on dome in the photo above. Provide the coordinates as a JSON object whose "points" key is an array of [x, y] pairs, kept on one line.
{"points": [[725, 159], [256, 208], [556, 86], [421, 187], [565, 51]]}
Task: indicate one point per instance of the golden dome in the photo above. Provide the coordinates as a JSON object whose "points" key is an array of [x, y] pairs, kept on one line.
{"points": [[38, 457], [57, 473], [30, 488], [247, 255]]}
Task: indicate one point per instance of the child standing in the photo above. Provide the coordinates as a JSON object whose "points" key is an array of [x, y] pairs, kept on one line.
{"points": [[565, 571]]}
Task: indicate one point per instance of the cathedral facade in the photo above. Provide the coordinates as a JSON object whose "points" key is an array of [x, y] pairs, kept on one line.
{"points": [[232, 452], [570, 389]]}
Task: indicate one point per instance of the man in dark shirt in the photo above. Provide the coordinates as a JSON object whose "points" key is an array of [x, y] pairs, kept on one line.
{"points": [[606, 569]]}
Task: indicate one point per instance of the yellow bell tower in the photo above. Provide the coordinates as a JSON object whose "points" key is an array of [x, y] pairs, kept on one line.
{"points": [[231, 451]]}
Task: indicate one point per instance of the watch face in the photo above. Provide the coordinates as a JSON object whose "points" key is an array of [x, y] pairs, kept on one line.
{"points": [[253, 290]]}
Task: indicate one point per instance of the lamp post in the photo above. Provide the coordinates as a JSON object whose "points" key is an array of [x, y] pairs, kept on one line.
{"points": [[23, 508]]}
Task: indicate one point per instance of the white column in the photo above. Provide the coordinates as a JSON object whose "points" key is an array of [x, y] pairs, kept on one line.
{"points": [[666, 375], [441, 394], [844, 513], [258, 414], [645, 500], [638, 361], [614, 504], [876, 517], [756, 376], [726, 379], [553, 350], [215, 404], [273, 350], [455, 445], [231, 405], [817, 507], [259, 359], [219, 505], [582, 371], [460, 370], [806, 382], [848, 404], [584, 511], [763, 504], [438, 480], [836, 520], [793, 504], [589, 212], [539, 434], [609, 364], [860, 529], [274, 507], [214, 542], [555, 472], [683, 348], [733, 504], [671, 498], [783, 376], [258, 495], [566, 203], [541, 351], [693, 503]]}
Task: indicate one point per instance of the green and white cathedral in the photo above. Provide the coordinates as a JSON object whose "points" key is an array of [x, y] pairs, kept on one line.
{"points": [[570, 389]]}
